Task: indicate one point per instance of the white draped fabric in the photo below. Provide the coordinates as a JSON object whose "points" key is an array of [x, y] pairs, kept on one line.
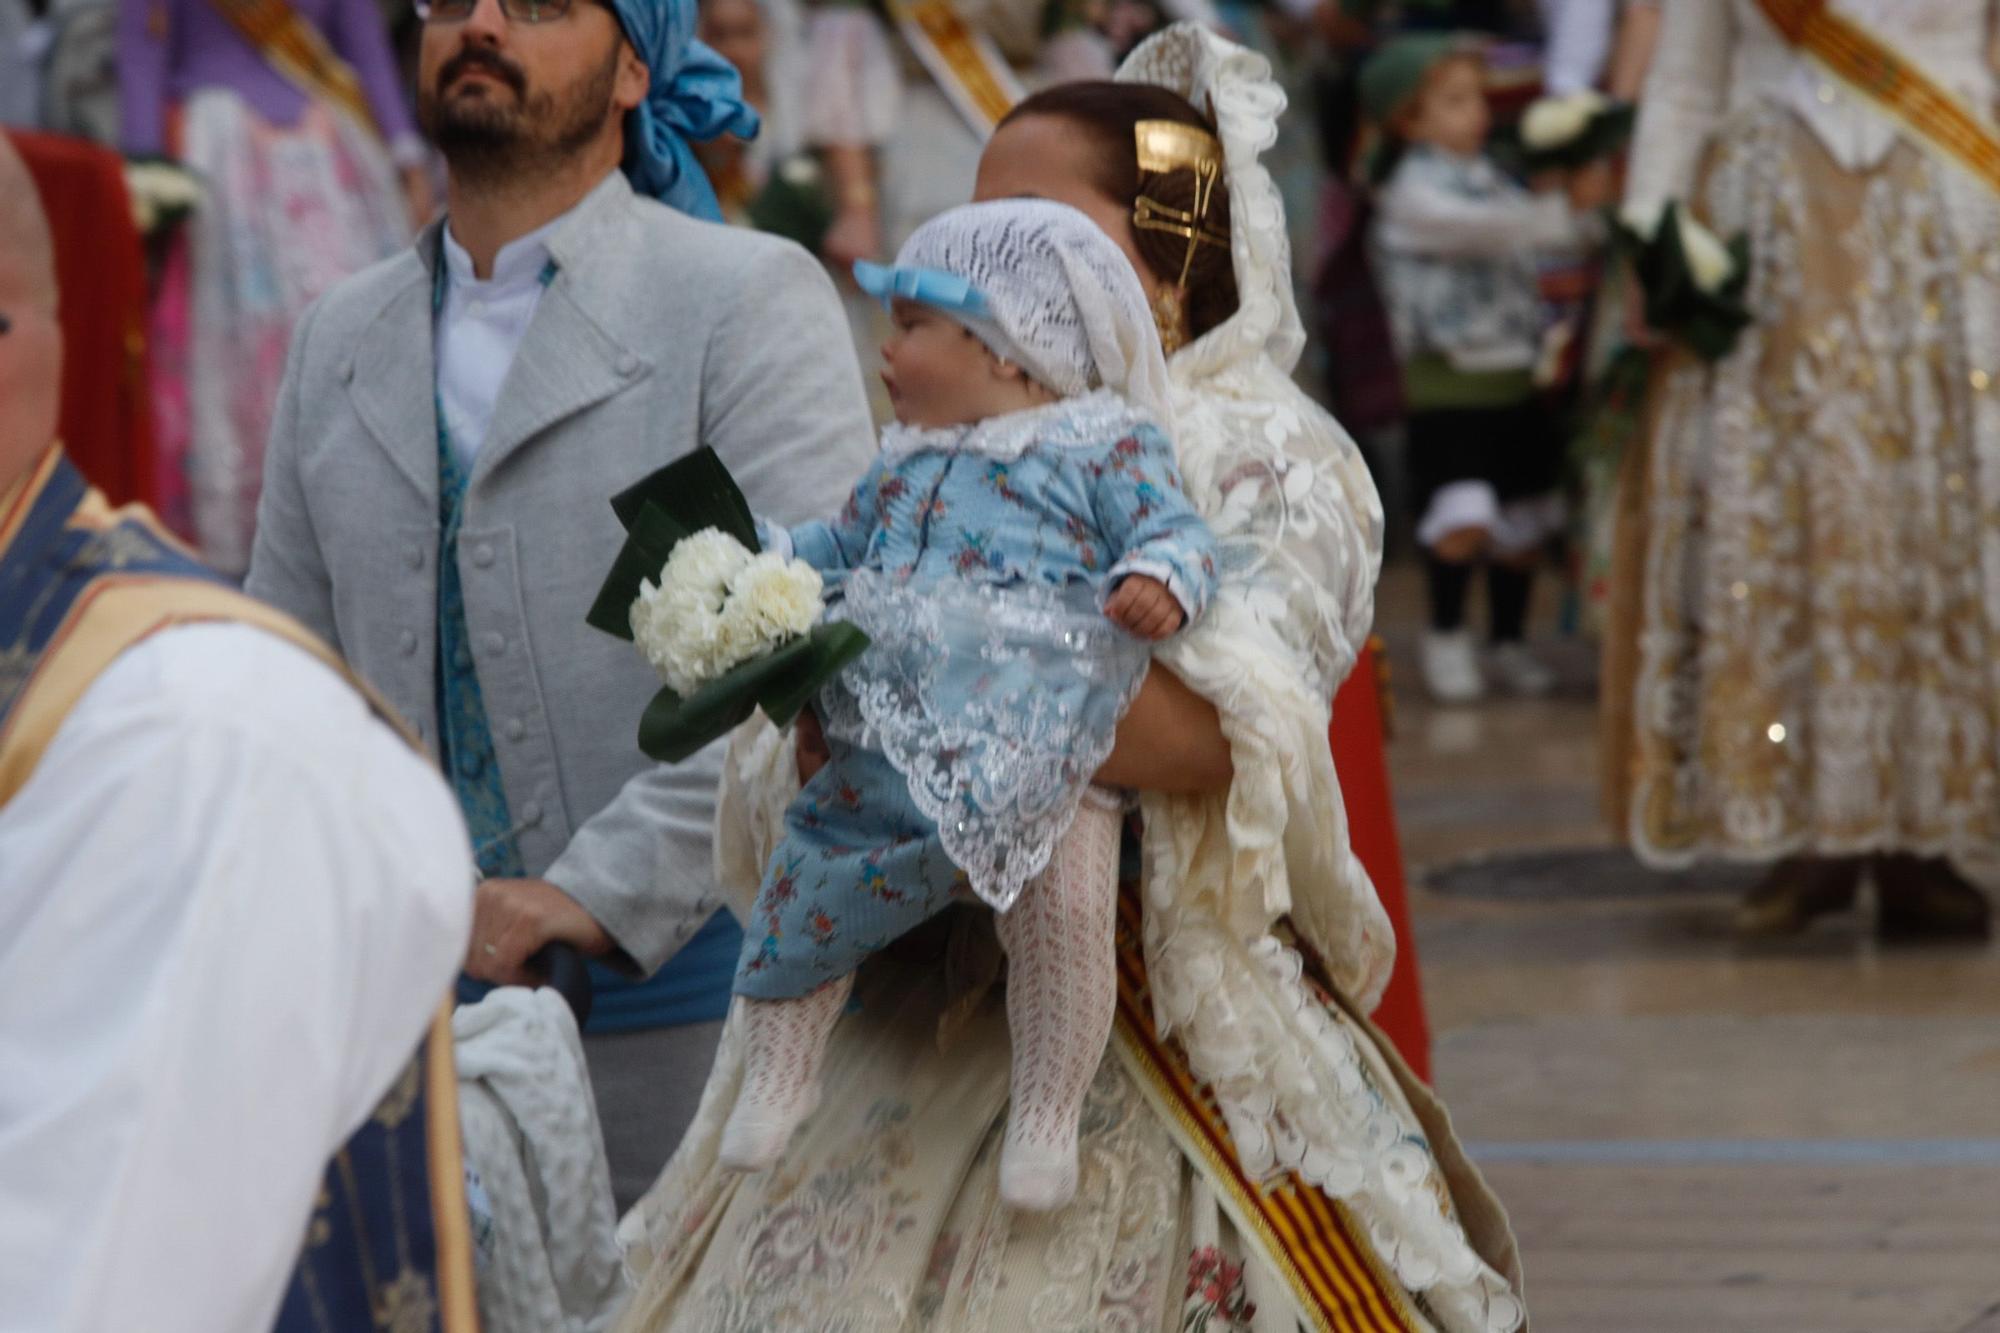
{"points": [[232, 902]]}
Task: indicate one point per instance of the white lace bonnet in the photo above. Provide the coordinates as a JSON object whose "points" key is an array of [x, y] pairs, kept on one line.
{"points": [[1042, 286]]}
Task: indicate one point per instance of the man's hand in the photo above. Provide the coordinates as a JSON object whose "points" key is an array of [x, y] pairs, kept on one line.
{"points": [[513, 918], [1143, 607]]}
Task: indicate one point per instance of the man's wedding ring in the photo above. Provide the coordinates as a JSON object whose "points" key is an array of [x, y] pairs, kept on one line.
{"points": [[492, 951]]}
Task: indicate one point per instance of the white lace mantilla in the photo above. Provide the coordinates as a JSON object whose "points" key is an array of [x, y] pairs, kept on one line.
{"points": [[1299, 526], [996, 704], [1086, 421]]}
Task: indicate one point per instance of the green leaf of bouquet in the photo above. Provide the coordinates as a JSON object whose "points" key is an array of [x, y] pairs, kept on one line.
{"points": [[829, 648], [697, 492], [650, 538], [672, 728]]}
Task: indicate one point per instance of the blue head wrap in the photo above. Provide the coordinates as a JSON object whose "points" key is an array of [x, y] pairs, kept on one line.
{"points": [[696, 95]]}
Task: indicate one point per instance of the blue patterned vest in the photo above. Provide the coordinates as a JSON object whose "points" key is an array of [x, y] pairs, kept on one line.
{"points": [[388, 1246]]}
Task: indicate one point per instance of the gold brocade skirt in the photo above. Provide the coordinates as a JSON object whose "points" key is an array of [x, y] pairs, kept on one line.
{"points": [[1802, 653]]}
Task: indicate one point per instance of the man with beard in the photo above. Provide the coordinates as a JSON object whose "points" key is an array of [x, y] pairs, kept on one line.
{"points": [[452, 424]]}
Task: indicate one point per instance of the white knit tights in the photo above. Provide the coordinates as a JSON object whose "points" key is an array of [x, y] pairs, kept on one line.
{"points": [[1062, 985], [784, 1046]]}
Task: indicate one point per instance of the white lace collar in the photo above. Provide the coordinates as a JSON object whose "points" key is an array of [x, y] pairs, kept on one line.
{"points": [[1098, 417]]}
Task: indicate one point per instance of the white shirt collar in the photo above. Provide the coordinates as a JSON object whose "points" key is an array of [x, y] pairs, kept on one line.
{"points": [[519, 263]]}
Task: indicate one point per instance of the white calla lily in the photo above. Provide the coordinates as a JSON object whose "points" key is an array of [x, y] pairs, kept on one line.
{"points": [[1709, 260]]}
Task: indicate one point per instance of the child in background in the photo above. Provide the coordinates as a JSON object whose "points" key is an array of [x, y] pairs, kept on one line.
{"points": [[1456, 244]]}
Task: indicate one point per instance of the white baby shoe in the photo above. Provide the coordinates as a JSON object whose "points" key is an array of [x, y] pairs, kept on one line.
{"points": [[1451, 667], [1520, 672]]}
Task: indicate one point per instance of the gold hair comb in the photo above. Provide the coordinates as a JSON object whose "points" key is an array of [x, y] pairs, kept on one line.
{"points": [[1169, 145]]}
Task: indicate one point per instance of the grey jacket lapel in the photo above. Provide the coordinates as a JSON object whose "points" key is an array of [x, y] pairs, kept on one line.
{"points": [[392, 385]]}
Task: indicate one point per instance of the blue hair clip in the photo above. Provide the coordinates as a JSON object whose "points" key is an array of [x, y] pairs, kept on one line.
{"points": [[929, 286]]}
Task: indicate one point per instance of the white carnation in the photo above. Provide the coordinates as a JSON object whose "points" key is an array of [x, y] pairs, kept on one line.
{"points": [[705, 563], [1553, 122], [717, 606], [1709, 260], [676, 623], [778, 599]]}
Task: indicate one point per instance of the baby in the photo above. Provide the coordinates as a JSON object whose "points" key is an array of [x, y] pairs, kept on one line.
{"points": [[1021, 538]]}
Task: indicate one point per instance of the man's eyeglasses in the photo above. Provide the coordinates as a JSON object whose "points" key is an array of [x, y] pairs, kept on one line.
{"points": [[517, 11]]}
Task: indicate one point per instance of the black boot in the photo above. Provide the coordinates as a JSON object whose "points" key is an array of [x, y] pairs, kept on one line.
{"points": [[1923, 898], [1798, 889]]}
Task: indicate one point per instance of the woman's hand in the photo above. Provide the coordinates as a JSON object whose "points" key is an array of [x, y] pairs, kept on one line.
{"points": [[1170, 741], [812, 748]]}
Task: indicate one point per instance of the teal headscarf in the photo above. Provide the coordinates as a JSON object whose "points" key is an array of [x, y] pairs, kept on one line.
{"points": [[696, 95]]}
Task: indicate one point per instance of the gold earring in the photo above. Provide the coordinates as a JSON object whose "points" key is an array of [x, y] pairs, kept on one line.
{"points": [[1170, 318]]}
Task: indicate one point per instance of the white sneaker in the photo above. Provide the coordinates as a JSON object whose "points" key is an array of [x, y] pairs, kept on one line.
{"points": [[1520, 672], [1451, 667]]}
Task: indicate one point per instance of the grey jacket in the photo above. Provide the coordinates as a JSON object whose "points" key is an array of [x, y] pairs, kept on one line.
{"points": [[659, 333]]}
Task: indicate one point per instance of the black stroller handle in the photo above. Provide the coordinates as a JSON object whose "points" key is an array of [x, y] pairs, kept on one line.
{"points": [[562, 969]]}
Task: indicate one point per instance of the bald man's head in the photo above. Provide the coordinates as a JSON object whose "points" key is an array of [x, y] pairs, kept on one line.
{"points": [[25, 247], [31, 353]]}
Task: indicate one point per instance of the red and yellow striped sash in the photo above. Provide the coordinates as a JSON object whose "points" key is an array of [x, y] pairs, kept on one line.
{"points": [[1308, 1239], [1873, 69]]}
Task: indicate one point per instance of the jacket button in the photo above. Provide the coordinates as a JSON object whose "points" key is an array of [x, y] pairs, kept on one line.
{"points": [[628, 365], [493, 642], [482, 555], [516, 728], [414, 557], [531, 813], [409, 643]]}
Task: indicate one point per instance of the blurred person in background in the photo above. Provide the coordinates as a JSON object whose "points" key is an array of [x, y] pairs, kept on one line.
{"points": [[1800, 664], [762, 40], [1456, 245], [294, 118], [234, 899]]}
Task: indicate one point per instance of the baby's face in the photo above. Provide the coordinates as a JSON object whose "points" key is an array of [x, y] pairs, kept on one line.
{"points": [[936, 371]]}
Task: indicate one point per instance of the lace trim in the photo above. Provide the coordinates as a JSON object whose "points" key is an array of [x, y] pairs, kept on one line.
{"points": [[996, 704], [1093, 418], [1301, 1095]]}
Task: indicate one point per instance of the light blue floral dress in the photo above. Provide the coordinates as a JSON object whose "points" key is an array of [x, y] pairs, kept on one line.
{"points": [[977, 559]]}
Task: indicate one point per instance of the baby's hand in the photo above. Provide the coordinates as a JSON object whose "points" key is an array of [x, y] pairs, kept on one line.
{"points": [[1143, 607]]}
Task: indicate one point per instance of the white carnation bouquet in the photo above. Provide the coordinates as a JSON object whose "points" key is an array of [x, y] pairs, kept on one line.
{"points": [[1570, 131], [718, 605], [1695, 284], [729, 628]]}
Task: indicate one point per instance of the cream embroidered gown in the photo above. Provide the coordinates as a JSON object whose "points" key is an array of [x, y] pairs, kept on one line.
{"points": [[884, 1215], [1814, 626]]}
